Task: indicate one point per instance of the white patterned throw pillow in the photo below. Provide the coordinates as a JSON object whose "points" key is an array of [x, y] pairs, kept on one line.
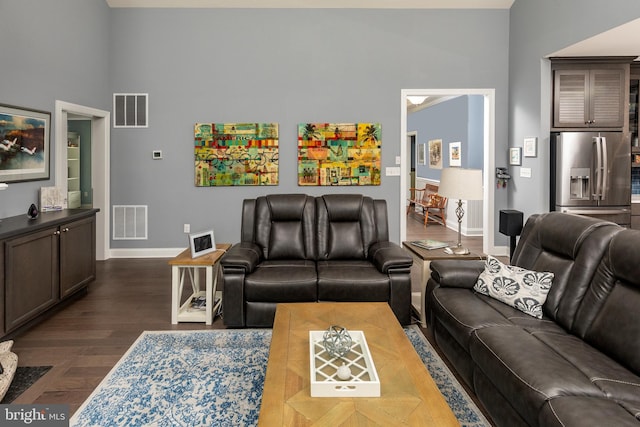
{"points": [[520, 288]]}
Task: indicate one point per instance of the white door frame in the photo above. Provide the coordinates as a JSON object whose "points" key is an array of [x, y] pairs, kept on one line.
{"points": [[488, 201], [100, 164]]}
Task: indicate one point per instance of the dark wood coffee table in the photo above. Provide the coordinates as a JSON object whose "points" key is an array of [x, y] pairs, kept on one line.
{"points": [[420, 272], [408, 394]]}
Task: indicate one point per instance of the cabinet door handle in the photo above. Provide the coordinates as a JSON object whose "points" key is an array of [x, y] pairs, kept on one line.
{"points": [[65, 229], [56, 233]]}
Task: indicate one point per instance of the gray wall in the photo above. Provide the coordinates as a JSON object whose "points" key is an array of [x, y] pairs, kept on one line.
{"points": [[284, 66], [457, 120], [51, 50], [537, 29]]}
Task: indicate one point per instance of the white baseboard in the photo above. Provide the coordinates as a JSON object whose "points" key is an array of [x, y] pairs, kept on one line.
{"points": [[172, 252], [146, 252]]}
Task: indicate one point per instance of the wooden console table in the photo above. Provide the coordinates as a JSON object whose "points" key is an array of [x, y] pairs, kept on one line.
{"points": [[183, 266], [420, 272]]}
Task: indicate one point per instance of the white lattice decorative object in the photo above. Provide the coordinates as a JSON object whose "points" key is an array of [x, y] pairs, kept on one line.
{"points": [[364, 381]]}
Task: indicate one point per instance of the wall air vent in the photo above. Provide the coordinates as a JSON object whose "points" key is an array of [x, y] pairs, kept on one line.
{"points": [[129, 222], [130, 110]]}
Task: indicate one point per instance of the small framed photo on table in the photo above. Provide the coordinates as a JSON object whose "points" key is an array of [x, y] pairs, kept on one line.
{"points": [[202, 243], [514, 156]]}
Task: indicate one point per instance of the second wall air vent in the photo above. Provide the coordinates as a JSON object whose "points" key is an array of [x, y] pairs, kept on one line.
{"points": [[129, 222]]}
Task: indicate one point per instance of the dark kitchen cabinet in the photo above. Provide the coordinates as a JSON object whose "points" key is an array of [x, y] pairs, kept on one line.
{"points": [[44, 262], [590, 96]]}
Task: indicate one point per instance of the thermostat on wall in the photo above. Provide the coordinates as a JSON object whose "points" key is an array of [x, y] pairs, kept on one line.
{"points": [[157, 154]]}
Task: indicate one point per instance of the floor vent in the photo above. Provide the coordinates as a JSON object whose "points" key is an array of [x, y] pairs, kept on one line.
{"points": [[129, 222]]}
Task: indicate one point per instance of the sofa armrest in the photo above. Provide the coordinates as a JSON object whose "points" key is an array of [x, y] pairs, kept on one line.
{"points": [[388, 256], [456, 273], [244, 256]]}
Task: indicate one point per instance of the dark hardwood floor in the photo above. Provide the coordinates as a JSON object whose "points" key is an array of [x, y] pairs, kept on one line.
{"points": [[86, 338]]}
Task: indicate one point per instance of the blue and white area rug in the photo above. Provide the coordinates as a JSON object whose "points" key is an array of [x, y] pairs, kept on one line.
{"points": [[215, 378]]}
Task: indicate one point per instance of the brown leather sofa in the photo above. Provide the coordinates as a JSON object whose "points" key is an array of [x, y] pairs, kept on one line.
{"points": [[299, 248], [577, 366]]}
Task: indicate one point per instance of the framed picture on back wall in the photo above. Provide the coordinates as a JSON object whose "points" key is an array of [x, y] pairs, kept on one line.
{"points": [[455, 155], [515, 156], [422, 158], [435, 154], [24, 144]]}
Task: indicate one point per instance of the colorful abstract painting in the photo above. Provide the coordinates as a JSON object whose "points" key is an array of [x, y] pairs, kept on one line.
{"points": [[229, 154], [339, 153]]}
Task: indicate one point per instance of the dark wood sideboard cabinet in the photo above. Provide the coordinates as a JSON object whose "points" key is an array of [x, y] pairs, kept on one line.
{"points": [[43, 262]]}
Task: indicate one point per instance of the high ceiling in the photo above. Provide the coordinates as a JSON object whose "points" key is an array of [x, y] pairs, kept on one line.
{"points": [[620, 41], [319, 4]]}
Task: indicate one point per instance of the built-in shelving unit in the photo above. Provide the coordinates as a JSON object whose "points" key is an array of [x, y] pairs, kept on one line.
{"points": [[73, 170]]}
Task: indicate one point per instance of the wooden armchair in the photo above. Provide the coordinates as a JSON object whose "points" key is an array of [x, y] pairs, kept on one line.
{"points": [[430, 202]]}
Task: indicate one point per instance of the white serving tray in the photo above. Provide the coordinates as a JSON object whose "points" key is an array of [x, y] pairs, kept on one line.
{"points": [[364, 380]]}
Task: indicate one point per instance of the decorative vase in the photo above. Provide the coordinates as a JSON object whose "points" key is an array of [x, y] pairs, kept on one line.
{"points": [[337, 341], [32, 212], [344, 372]]}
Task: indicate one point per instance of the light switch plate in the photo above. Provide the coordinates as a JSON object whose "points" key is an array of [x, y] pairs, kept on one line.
{"points": [[398, 160], [392, 171], [156, 154]]}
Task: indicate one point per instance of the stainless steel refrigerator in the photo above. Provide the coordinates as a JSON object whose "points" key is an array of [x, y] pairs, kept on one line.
{"points": [[591, 175]]}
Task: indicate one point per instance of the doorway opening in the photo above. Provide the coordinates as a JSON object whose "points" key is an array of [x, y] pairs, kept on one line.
{"points": [[488, 208], [100, 165]]}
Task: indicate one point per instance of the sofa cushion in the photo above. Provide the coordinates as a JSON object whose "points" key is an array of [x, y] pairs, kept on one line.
{"points": [[518, 287], [346, 226], [612, 301], [284, 226], [579, 411], [615, 381], [571, 247], [460, 312], [351, 280], [520, 365], [282, 281]]}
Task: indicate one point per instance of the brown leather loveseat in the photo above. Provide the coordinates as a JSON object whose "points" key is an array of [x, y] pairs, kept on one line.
{"points": [[579, 365], [300, 248]]}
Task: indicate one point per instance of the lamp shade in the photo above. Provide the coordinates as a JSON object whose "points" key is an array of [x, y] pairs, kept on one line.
{"points": [[463, 184]]}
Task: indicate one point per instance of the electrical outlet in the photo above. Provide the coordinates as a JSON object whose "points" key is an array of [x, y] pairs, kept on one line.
{"points": [[187, 228]]}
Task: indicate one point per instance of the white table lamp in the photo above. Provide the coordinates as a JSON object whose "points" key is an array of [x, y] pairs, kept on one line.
{"points": [[461, 184]]}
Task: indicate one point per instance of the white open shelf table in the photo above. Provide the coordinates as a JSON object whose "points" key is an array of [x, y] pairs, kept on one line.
{"points": [[184, 266]]}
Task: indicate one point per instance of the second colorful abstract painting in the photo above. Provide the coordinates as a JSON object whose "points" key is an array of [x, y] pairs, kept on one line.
{"points": [[339, 153]]}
